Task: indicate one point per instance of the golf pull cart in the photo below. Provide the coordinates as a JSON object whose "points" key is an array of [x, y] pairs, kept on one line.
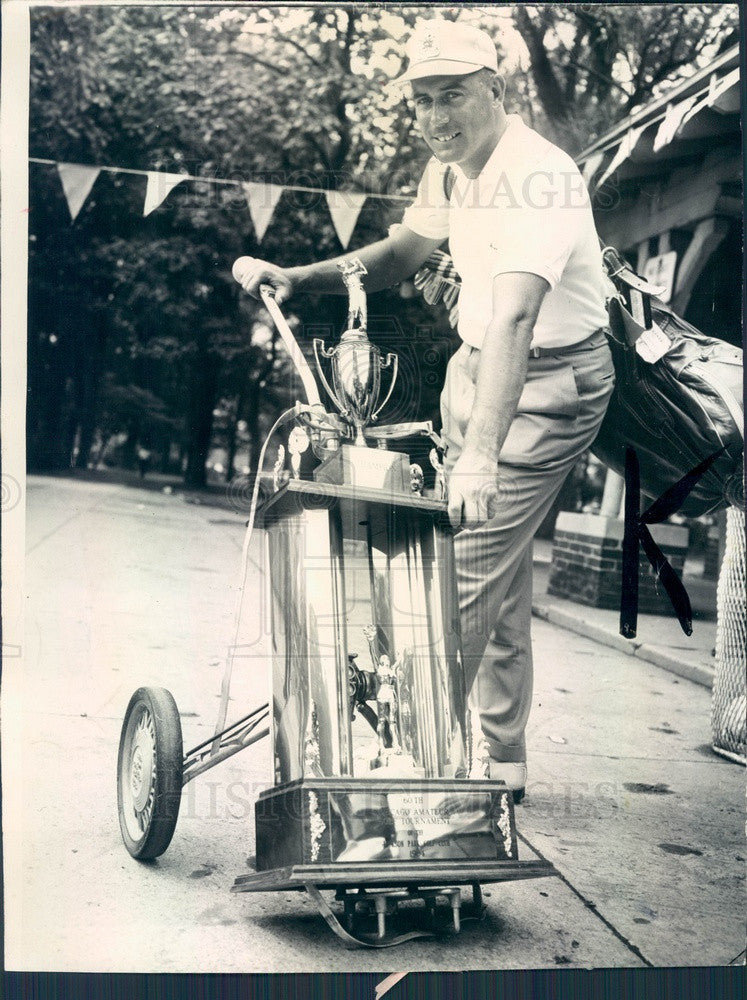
{"points": [[381, 789]]}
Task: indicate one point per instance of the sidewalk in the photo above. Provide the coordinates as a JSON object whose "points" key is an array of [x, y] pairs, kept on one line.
{"points": [[660, 638]]}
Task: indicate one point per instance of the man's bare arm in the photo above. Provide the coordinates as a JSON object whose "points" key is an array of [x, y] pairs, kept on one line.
{"points": [[517, 298], [473, 484], [387, 262]]}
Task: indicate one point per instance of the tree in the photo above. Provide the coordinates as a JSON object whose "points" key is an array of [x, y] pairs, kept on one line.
{"points": [[194, 90], [592, 65]]}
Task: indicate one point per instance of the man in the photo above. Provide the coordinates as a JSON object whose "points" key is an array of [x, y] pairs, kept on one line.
{"points": [[527, 390]]}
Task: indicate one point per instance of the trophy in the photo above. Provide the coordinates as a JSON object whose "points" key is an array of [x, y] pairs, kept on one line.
{"points": [[356, 362], [380, 784], [381, 787], [356, 365]]}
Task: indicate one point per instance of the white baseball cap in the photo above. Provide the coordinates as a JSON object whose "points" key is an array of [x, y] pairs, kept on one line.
{"points": [[447, 48]]}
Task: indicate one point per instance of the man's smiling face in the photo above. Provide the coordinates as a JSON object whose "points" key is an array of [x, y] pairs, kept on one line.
{"points": [[461, 117]]}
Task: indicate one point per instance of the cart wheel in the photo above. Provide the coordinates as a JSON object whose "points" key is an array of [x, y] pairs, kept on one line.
{"points": [[149, 772]]}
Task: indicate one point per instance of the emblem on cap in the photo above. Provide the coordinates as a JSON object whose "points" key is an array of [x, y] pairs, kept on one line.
{"points": [[428, 47]]}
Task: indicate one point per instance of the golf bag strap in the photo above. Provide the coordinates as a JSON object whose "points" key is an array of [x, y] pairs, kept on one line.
{"points": [[620, 273]]}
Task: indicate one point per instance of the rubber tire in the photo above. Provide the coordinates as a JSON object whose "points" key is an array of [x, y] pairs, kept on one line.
{"points": [[167, 786]]}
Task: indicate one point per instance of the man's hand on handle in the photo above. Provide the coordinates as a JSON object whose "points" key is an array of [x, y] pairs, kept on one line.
{"points": [[251, 272], [473, 490]]}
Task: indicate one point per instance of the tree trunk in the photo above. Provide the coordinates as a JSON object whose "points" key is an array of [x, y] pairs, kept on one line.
{"points": [[549, 90], [44, 421], [202, 396], [88, 398], [231, 434]]}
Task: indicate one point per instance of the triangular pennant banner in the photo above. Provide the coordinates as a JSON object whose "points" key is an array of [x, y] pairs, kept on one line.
{"points": [[159, 186], [77, 182], [723, 95], [262, 199], [624, 150], [344, 207], [591, 166], [672, 121]]}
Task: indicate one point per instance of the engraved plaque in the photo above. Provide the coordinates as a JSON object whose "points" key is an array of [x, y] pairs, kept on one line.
{"points": [[370, 468], [340, 821]]}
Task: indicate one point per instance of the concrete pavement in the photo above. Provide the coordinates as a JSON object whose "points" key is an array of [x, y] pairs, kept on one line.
{"points": [[660, 638], [128, 587]]}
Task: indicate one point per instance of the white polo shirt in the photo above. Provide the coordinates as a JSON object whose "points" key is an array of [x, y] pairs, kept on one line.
{"points": [[528, 210]]}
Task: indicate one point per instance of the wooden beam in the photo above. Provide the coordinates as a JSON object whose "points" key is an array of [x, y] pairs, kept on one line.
{"points": [[706, 238], [689, 195], [642, 256], [730, 205], [612, 496]]}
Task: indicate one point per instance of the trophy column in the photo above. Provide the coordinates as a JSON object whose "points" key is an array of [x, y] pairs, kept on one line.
{"points": [[360, 579]]}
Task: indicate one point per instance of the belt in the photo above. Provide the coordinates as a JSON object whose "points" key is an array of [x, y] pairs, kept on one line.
{"points": [[598, 337]]}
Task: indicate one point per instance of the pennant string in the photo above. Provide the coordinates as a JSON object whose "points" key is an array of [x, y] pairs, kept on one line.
{"points": [[613, 143], [230, 182]]}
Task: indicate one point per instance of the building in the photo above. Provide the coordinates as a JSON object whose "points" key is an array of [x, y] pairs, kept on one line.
{"points": [[666, 186]]}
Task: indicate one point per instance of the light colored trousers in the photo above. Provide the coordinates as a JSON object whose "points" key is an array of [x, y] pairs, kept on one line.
{"points": [[561, 408]]}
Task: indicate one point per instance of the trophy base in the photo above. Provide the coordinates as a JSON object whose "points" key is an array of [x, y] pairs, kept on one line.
{"points": [[371, 468], [338, 821], [390, 874]]}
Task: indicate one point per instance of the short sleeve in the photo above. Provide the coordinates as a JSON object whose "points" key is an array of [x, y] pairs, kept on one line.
{"points": [[541, 229], [428, 215]]}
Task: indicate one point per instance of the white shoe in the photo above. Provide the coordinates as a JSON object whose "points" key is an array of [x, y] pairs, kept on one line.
{"points": [[513, 775]]}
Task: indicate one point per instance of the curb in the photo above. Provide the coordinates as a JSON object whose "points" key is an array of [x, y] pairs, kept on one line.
{"points": [[690, 671]]}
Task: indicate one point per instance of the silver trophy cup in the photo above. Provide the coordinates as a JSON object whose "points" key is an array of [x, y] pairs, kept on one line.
{"points": [[356, 363]]}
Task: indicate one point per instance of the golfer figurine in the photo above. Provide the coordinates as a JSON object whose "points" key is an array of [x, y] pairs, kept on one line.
{"points": [[387, 731], [298, 443], [279, 472], [440, 482]]}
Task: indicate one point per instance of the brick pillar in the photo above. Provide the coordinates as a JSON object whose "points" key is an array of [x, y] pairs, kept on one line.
{"points": [[587, 561]]}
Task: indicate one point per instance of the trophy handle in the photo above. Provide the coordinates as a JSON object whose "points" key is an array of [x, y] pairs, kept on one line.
{"points": [[320, 348], [393, 360]]}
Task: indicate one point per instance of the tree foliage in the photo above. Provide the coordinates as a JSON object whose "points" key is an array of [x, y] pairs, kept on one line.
{"points": [[142, 313], [593, 64]]}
